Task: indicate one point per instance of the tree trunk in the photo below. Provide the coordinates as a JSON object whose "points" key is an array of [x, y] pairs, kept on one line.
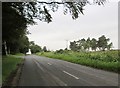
{"points": [[5, 48]]}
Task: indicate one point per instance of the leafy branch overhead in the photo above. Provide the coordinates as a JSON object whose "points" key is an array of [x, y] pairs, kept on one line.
{"points": [[41, 10]]}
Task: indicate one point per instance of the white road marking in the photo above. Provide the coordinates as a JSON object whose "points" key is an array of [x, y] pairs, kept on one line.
{"points": [[56, 78], [71, 75], [39, 65], [60, 82], [49, 64]]}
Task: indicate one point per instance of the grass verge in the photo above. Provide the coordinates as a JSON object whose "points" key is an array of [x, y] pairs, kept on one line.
{"points": [[106, 60], [20, 54], [9, 65]]}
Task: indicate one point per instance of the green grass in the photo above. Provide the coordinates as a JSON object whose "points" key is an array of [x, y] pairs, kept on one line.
{"points": [[19, 54], [106, 60], [9, 64]]}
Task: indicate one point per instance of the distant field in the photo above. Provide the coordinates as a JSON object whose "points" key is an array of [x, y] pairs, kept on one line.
{"points": [[106, 60], [9, 64]]}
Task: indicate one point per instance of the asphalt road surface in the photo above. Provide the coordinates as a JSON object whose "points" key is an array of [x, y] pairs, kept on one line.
{"points": [[43, 71]]}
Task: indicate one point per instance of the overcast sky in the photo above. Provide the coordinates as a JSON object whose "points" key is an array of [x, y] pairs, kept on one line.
{"points": [[96, 21]]}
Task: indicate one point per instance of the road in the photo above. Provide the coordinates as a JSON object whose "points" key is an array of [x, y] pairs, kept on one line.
{"points": [[43, 71]]}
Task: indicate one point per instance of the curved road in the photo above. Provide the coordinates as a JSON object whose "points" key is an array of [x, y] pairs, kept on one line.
{"points": [[43, 71]]}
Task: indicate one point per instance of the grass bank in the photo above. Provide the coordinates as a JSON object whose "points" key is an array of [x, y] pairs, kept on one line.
{"points": [[106, 60], [9, 64]]}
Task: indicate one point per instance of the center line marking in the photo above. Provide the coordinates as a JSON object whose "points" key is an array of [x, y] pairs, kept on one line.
{"points": [[38, 65], [49, 64], [71, 75]]}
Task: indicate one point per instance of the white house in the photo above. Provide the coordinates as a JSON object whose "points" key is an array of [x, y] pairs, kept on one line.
{"points": [[29, 52]]}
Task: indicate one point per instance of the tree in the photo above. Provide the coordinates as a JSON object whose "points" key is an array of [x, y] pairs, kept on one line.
{"points": [[31, 43], [93, 44], [60, 51], [14, 27], [73, 46], [84, 44], [88, 43], [109, 46], [23, 44], [34, 47], [103, 42], [79, 45], [40, 10], [44, 49]]}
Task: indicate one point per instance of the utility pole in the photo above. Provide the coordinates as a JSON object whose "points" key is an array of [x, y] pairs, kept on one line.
{"points": [[66, 44]]}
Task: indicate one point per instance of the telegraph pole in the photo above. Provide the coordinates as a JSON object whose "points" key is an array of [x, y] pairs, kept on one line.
{"points": [[66, 44]]}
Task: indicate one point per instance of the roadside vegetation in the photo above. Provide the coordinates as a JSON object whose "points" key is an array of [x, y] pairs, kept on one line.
{"points": [[19, 54], [93, 52], [9, 64], [106, 60]]}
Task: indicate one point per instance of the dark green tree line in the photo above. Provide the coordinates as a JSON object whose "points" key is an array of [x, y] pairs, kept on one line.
{"points": [[44, 49], [34, 47], [84, 45]]}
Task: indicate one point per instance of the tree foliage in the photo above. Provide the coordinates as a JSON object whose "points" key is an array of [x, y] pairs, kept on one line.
{"points": [[14, 29], [23, 44], [44, 49], [93, 44], [74, 46], [60, 51], [85, 45], [34, 47], [103, 42]]}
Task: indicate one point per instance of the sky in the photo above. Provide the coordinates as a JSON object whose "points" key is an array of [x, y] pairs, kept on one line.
{"points": [[96, 21]]}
